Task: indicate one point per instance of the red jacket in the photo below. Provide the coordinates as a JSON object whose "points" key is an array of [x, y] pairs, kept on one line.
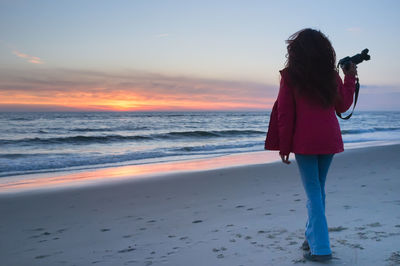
{"points": [[307, 128]]}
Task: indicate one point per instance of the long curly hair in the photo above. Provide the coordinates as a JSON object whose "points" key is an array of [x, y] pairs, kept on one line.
{"points": [[311, 68]]}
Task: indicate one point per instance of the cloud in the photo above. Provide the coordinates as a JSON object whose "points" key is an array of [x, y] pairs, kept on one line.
{"points": [[29, 58], [138, 90], [130, 90]]}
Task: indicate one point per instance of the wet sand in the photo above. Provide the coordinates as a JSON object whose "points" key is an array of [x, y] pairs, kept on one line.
{"points": [[244, 215]]}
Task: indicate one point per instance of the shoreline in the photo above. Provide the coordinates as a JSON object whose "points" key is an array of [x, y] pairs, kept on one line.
{"points": [[246, 215], [105, 175]]}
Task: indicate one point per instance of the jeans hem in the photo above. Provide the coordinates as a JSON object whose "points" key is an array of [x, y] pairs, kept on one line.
{"points": [[321, 252]]}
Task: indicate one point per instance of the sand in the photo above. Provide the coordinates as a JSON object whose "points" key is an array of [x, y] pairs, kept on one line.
{"points": [[245, 215]]}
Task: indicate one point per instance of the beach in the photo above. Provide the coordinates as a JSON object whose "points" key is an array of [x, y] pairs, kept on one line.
{"points": [[238, 215]]}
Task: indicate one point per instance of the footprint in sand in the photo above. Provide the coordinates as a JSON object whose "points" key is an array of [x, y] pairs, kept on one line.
{"points": [[346, 243], [362, 235], [299, 261], [219, 256], [217, 250], [40, 235], [337, 229], [377, 224], [38, 229], [128, 249], [394, 258], [48, 255]]}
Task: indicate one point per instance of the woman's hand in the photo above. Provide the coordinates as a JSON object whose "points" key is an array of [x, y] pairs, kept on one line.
{"points": [[352, 71], [285, 158]]}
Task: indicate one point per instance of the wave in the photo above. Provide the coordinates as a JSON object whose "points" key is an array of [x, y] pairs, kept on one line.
{"points": [[21, 119], [81, 140], [13, 155], [58, 162], [90, 129], [75, 140], [369, 130], [208, 148], [28, 163], [216, 133], [122, 128]]}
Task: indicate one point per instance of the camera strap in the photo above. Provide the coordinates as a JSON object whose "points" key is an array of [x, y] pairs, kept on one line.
{"points": [[355, 102]]}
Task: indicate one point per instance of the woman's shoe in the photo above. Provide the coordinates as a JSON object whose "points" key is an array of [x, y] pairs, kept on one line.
{"points": [[305, 245], [311, 257]]}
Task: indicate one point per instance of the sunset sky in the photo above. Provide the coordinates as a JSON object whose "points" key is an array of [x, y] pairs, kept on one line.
{"points": [[181, 55]]}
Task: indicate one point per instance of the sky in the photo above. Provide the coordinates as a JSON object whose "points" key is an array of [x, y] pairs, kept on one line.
{"points": [[181, 55]]}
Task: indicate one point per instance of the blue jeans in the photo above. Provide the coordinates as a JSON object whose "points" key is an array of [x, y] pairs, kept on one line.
{"points": [[313, 170]]}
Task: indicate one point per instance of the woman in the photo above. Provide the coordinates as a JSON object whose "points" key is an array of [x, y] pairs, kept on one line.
{"points": [[310, 93]]}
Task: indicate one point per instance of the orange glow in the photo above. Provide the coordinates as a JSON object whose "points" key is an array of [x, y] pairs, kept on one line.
{"points": [[128, 101], [128, 91]]}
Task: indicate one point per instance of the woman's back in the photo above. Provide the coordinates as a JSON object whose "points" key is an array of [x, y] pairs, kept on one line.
{"points": [[316, 129]]}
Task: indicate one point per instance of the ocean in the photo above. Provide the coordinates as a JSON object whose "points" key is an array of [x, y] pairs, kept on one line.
{"points": [[57, 141]]}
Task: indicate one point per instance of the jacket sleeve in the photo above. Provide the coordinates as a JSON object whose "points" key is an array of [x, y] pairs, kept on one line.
{"points": [[286, 117], [346, 92]]}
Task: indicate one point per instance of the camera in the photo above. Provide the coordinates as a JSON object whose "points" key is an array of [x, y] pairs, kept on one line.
{"points": [[344, 63]]}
